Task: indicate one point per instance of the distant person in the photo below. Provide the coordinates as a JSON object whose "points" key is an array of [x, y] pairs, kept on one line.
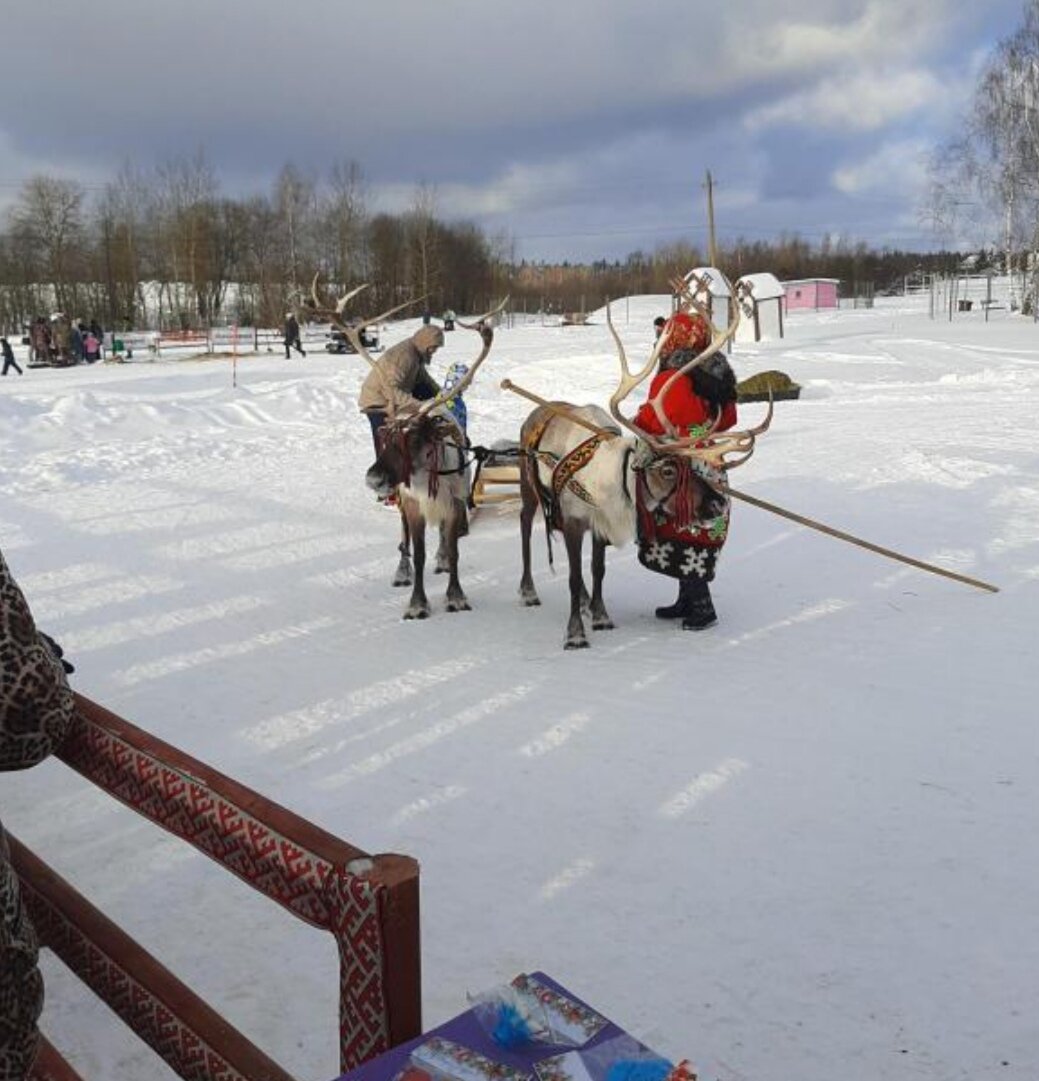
{"points": [[658, 326], [35, 713], [292, 340], [76, 342], [449, 320], [8, 354], [91, 347], [40, 341], [399, 380], [427, 317], [59, 332]]}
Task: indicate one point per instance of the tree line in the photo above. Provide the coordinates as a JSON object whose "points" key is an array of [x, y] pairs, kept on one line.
{"points": [[167, 248]]}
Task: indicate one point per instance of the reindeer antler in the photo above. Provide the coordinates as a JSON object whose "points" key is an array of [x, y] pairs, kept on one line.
{"points": [[710, 447], [486, 331], [713, 447], [688, 301], [353, 333]]}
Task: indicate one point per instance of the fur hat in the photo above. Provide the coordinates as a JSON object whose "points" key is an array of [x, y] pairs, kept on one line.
{"points": [[428, 338], [715, 381], [685, 331]]}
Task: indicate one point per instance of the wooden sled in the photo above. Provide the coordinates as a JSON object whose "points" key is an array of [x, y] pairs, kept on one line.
{"points": [[499, 477], [499, 470]]}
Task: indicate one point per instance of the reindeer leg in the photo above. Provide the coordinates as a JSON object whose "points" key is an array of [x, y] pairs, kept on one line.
{"points": [[600, 617], [402, 576], [443, 560], [528, 594], [456, 598], [418, 606], [573, 532]]}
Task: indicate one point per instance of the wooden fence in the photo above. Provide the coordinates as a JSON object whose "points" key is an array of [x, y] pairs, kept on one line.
{"points": [[370, 905]]}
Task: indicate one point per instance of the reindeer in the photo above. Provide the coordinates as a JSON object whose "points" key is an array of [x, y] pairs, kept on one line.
{"points": [[422, 458], [584, 475]]}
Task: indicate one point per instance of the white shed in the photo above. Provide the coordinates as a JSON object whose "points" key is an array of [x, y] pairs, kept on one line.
{"points": [[760, 297], [710, 286]]}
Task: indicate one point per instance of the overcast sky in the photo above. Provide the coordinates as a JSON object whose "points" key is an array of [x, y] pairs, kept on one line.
{"points": [[582, 128]]}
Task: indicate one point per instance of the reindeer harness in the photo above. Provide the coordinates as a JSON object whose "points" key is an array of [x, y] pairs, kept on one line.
{"points": [[444, 433], [564, 469]]}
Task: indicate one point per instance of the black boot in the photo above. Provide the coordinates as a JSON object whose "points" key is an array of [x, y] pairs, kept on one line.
{"points": [[700, 614], [681, 607]]}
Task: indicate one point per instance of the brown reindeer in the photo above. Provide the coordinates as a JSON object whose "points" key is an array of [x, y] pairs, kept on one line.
{"points": [[422, 459], [581, 472]]}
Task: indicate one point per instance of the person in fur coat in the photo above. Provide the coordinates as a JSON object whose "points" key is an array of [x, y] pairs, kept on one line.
{"points": [[700, 401], [35, 713]]}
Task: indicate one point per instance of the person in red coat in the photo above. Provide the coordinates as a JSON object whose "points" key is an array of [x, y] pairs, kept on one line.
{"points": [[684, 540]]}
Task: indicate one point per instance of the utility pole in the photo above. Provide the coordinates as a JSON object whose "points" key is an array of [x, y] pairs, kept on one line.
{"points": [[712, 248]]}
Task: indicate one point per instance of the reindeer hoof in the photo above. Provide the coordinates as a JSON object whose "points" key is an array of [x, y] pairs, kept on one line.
{"points": [[576, 643], [530, 600], [602, 623], [417, 613], [441, 569], [459, 604], [401, 580]]}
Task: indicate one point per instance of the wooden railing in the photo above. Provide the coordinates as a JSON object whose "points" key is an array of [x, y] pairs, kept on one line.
{"points": [[369, 903]]}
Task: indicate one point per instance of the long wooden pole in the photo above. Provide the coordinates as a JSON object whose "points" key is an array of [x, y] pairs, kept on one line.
{"points": [[869, 545], [567, 411], [559, 408]]}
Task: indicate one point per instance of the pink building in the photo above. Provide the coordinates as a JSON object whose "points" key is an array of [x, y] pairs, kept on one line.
{"points": [[811, 293]]}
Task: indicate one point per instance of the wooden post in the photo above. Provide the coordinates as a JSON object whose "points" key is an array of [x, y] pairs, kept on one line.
{"points": [[712, 247]]}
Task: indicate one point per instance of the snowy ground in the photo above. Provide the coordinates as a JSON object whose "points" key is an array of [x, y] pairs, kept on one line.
{"points": [[799, 845]]}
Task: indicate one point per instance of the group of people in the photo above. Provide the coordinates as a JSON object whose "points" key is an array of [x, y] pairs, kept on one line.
{"points": [[65, 341], [701, 400]]}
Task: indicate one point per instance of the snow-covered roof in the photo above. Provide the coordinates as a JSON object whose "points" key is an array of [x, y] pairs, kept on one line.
{"points": [[716, 280], [763, 286], [809, 281]]}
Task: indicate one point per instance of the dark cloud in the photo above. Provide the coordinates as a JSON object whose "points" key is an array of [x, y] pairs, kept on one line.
{"points": [[582, 128]]}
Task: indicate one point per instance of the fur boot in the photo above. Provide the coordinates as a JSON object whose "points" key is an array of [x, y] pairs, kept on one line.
{"points": [[680, 609], [700, 613]]}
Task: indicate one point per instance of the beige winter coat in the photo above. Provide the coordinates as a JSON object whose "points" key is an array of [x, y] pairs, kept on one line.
{"points": [[390, 383]]}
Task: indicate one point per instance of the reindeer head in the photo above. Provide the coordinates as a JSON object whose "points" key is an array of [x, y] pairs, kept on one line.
{"points": [[683, 489], [410, 450]]}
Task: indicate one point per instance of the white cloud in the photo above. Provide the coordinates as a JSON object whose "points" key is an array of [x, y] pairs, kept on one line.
{"points": [[859, 101], [900, 165]]}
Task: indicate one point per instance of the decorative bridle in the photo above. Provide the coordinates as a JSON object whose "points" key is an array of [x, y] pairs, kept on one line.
{"points": [[445, 433]]}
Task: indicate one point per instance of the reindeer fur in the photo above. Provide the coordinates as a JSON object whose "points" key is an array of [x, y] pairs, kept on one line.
{"points": [[609, 481]]}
